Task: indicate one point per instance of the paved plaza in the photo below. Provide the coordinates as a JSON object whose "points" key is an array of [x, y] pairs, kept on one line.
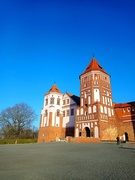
{"points": [[67, 161]]}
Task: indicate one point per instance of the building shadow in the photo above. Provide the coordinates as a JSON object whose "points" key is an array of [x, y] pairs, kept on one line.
{"points": [[131, 148]]}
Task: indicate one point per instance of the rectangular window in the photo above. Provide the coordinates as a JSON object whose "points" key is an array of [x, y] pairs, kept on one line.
{"points": [[81, 101], [67, 101], [95, 82], [109, 112], [81, 111], [85, 95], [89, 100], [77, 112], [63, 102], [67, 112], [46, 102], [58, 101], [46, 112], [103, 100], [58, 112], [72, 112], [63, 113]]}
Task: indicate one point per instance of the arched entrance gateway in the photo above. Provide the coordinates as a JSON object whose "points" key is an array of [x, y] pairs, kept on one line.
{"points": [[86, 132]]}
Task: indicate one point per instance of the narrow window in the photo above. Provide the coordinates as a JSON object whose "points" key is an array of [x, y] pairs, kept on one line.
{"points": [[52, 100], [58, 112], [63, 102], [58, 101], [46, 112], [94, 109], [67, 112], [67, 101], [72, 112], [46, 102], [63, 113]]}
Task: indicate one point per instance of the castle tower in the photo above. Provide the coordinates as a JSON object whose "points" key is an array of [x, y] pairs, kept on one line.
{"points": [[95, 116], [51, 116], [57, 118]]}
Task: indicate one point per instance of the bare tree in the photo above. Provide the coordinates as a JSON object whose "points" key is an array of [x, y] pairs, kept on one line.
{"points": [[14, 120]]}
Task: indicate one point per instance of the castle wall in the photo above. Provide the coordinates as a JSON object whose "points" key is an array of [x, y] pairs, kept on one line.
{"points": [[108, 130], [125, 115], [97, 117]]}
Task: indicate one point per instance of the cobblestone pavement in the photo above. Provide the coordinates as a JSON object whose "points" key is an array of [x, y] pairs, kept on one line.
{"points": [[67, 161]]}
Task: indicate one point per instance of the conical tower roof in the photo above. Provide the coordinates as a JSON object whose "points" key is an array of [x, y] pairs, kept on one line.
{"points": [[93, 65], [54, 88]]}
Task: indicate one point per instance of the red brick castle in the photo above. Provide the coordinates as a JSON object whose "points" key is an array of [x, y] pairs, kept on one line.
{"points": [[94, 116]]}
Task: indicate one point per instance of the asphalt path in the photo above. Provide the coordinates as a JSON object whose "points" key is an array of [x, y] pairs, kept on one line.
{"points": [[67, 161]]}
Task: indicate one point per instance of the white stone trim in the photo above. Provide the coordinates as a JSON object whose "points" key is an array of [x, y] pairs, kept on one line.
{"points": [[103, 120], [129, 120], [87, 121], [129, 115]]}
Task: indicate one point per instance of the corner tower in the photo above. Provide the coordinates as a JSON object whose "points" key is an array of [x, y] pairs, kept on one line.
{"points": [[51, 116], [95, 116], [57, 118]]}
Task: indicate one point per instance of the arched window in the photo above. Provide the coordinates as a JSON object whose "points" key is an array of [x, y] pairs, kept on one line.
{"points": [[52, 100], [96, 132], [96, 95]]}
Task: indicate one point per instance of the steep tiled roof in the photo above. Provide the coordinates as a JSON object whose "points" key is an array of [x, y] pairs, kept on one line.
{"points": [[54, 88], [122, 105], [93, 65], [75, 98]]}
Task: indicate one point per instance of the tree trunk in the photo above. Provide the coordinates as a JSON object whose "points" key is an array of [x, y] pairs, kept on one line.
{"points": [[16, 141]]}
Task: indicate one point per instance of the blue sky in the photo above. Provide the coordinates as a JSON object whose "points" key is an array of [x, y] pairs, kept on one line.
{"points": [[42, 42]]}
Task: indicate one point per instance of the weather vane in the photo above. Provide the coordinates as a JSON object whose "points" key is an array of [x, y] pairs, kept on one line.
{"points": [[93, 55]]}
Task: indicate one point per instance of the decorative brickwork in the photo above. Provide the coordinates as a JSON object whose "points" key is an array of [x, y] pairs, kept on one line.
{"points": [[95, 116], [92, 117]]}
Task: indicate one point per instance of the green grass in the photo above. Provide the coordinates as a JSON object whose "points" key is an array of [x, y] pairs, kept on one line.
{"points": [[20, 141]]}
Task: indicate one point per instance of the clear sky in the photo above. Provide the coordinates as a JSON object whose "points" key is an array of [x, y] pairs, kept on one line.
{"points": [[42, 42]]}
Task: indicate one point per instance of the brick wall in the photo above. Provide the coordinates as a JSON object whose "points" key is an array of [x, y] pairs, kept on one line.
{"points": [[108, 130], [125, 121], [84, 140]]}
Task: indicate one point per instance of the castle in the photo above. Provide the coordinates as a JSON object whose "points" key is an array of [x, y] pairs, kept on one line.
{"points": [[91, 117]]}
